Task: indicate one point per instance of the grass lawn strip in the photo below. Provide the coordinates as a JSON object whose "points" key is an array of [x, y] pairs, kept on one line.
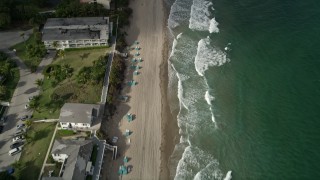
{"points": [[94, 154], [21, 52], [34, 152], [69, 89]]}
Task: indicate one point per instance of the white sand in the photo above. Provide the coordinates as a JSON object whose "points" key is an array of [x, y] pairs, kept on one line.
{"points": [[145, 98]]}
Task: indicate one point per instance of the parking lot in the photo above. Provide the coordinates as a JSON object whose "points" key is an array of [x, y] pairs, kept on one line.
{"points": [[25, 88]]}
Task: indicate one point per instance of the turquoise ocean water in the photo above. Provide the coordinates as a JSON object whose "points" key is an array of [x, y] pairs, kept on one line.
{"points": [[247, 77]]}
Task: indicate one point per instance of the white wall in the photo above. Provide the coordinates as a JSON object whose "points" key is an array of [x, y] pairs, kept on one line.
{"points": [[59, 157], [75, 125]]}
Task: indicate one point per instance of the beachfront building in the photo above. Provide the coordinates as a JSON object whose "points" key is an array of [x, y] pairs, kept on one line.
{"points": [[61, 33], [105, 3], [78, 116], [75, 158]]}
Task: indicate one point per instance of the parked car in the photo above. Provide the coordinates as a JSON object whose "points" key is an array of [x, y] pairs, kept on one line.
{"points": [[19, 132], [15, 151], [30, 98], [18, 138], [1, 129], [19, 126], [25, 117], [16, 145]]}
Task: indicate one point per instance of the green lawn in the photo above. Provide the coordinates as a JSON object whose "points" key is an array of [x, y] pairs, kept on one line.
{"points": [[33, 153], [69, 90], [22, 52], [63, 133], [94, 154]]}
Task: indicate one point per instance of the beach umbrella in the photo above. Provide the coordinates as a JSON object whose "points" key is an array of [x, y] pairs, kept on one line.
{"points": [[139, 59], [137, 54], [129, 117], [127, 133], [135, 73], [137, 48], [125, 159], [133, 60], [136, 42], [133, 67]]}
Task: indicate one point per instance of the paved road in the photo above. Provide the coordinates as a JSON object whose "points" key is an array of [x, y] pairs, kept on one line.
{"points": [[26, 87]]}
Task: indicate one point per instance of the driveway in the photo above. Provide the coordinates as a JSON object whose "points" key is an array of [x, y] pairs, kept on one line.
{"points": [[26, 88]]}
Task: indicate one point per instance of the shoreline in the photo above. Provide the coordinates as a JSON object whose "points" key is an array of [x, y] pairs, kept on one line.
{"points": [[169, 124]]}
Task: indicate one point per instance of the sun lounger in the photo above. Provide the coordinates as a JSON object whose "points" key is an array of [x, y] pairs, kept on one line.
{"points": [[132, 83], [129, 117]]}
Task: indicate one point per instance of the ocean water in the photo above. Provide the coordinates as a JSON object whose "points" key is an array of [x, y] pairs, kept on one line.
{"points": [[244, 77]]}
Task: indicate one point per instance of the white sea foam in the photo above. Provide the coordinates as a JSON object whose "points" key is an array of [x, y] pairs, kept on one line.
{"points": [[228, 176], [213, 28], [208, 97], [201, 18], [198, 164], [179, 12], [207, 56]]}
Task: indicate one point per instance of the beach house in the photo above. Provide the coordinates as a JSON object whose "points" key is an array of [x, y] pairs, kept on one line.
{"points": [[75, 158], [78, 116], [61, 33]]}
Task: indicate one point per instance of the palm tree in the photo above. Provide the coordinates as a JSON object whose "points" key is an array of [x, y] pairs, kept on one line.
{"points": [[39, 83], [34, 104], [3, 91], [67, 69], [55, 44], [28, 123], [61, 53]]}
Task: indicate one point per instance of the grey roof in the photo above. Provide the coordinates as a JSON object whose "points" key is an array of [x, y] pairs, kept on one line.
{"points": [[52, 178], [57, 22], [79, 152], [75, 28], [77, 113]]}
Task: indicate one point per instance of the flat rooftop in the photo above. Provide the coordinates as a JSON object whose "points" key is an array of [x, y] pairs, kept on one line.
{"points": [[83, 28]]}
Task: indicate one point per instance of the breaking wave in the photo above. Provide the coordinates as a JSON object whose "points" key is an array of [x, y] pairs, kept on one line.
{"points": [[201, 18], [207, 55]]}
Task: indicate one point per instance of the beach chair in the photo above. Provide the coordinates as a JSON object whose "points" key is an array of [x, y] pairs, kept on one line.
{"points": [[127, 133], [135, 73], [132, 83], [125, 159], [123, 98], [136, 42], [133, 60], [129, 117]]}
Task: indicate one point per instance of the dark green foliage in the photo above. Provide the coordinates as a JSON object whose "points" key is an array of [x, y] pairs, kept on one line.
{"points": [[95, 73], [115, 79], [58, 73], [36, 50], [73, 8], [84, 75]]}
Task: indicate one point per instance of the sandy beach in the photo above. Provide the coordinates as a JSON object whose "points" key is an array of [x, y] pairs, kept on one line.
{"points": [[145, 99]]}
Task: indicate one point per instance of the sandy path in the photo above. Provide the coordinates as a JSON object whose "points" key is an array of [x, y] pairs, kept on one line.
{"points": [[145, 98]]}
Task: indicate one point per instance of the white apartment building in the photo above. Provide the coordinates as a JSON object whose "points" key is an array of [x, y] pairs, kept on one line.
{"points": [[61, 33]]}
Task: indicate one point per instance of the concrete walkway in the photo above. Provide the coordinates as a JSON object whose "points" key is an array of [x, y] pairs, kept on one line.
{"points": [[48, 152]]}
